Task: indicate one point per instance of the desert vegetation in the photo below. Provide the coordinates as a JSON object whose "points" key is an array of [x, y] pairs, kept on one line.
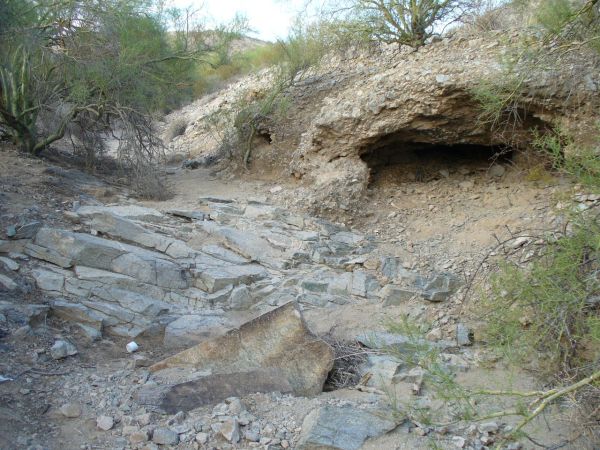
{"points": [[98, 77]]}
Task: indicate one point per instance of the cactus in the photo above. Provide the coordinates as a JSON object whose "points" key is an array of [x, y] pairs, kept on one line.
{"points": [[17, 107]]}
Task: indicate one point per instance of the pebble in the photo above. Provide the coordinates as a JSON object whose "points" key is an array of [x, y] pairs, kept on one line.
{"points": [[62, 348], [230, 430], [235, 406], [138, 437], [201, 438], [23, 331], [519, 242], [489, 427], [434, 335], [252, 434], [144, 419], [9, 263], [105, 422], [459, 441], [165, 436], [129, 430], [71, 410], [463, 335], [497, 170]]}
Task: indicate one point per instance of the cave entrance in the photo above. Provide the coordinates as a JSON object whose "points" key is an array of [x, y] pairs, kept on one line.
{"points": [[424, 162]]}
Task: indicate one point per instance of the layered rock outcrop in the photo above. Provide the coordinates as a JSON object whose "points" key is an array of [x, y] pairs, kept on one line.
{"points": [[134, 271]]}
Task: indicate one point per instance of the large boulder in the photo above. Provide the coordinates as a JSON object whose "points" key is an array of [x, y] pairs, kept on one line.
{"points": [[211, 389], [278, 340], [342, 428], [192, 329]]}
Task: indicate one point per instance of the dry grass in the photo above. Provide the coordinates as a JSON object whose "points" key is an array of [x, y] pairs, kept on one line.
{"points": [[176, 128], [349, 357]]}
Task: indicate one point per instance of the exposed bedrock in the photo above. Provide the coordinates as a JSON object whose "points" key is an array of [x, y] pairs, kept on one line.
{"points": [[425, 99]]}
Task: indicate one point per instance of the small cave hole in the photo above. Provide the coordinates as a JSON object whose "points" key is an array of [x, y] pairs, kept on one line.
{"points": [[265, 136], [422, 162], [348, 364]]}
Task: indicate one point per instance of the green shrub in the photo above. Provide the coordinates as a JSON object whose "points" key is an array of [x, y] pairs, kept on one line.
{"points": [[296, 57], [580, 162], [545, 309], [110, 60]]}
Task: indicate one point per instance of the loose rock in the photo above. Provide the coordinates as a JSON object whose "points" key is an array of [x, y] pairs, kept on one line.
{"points": [[165, 436], [62, 348], [105, 422], [341, 428], [71, 410]]}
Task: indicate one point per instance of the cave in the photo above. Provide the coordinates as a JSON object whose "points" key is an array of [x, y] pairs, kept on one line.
{"points": [[401, 162]]}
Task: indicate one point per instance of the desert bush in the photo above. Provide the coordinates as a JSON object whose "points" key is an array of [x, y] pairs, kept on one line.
{"points": [[581, 162], [305, 46], [456, 403], [562, 27], [548, 309], [489, 15], [402, 22], [176, 128], [572, 22], [102, 69], [301, 54]]}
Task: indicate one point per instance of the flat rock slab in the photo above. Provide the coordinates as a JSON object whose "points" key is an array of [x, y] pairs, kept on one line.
{"points": [[211, 389], [85, 250], [134, 212], [249, 245], [277, 340], [192, 329], [342, 428]]}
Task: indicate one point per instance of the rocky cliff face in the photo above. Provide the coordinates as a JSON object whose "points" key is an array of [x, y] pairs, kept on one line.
{"points": [[425, 99], [360, 104]]}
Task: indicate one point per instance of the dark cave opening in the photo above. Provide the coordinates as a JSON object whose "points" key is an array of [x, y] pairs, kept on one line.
{"points": [[423, 162]]}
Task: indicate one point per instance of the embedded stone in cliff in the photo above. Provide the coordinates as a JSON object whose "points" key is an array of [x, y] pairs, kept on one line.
{"points": [[278, 340]]}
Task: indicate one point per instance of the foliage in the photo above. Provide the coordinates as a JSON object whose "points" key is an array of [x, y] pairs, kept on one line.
{"points": [[176, 128], [500, 100], [303, 48], [214, 76], [580, 162], [544, 314], [402, 22], [407, 22], [564, 26], [546, 309], [91, 69], [571, 21], [464, 404], [299, 55]]}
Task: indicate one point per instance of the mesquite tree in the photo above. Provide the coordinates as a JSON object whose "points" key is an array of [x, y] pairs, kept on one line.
{"points": [[408, 22], [106, 63]]}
